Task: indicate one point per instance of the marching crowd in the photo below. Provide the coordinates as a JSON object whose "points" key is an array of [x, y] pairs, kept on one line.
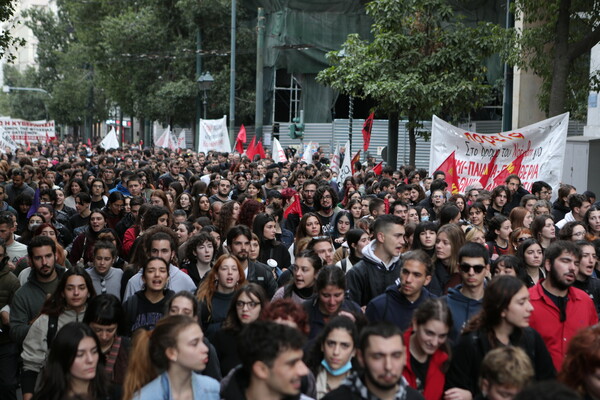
{"points": [[150, 274]]}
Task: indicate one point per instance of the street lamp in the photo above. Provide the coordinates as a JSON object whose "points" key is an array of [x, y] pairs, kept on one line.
{"points": [[205, 82]]}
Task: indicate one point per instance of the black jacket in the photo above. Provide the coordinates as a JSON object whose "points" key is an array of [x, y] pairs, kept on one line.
{"points": [[468, 354], [261, 274], [369, 278]]}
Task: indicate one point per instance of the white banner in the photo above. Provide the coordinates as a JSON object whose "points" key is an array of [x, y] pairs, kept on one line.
{"points": [[346, 169], [214, 135], [22, 132], [181, 140], [110, 141], [277, 152], [543, 144]]}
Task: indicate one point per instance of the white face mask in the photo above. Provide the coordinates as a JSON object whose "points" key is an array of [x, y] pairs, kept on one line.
{"points": [[34, 225]]}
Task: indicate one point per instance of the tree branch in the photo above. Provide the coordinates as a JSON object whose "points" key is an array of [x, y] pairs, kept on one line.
{"points": [[584, 45]]}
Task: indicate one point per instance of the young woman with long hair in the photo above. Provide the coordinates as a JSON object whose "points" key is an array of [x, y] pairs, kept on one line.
{"points": [[330, 359], [355, 208], [425, 237], [543, 230], [330, 300], [503, 321], [342, 223], [304, 272], [164, 362], [66, 304], [216, 293], [83, 245], [228, 217], [520, 217], [246, 306], [450, 238], [74, 368], [428, 351], [145, 307], [264, 227], [201, 206], [592, 220], [498, 236], [106, 317], [532, 256], [114, 209]]}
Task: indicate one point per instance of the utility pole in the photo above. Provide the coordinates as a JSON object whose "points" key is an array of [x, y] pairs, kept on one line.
{"points": [[232, 74], [260, 61]]}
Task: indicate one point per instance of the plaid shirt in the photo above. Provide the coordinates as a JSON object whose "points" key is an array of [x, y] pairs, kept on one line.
{"points": [[356, 385]]}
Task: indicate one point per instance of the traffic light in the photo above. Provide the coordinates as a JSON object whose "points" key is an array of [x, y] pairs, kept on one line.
{"points": [[296, 129]]}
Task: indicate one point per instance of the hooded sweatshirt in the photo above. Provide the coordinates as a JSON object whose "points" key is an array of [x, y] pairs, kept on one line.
{"points": [[370, 276], [463, 309], [393, 306]]}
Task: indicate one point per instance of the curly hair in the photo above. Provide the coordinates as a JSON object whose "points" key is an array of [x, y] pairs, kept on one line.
{"points": [[249, 210]]}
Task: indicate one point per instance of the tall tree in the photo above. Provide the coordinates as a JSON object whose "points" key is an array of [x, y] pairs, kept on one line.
{"points": [[420, 62], [555, 44]]}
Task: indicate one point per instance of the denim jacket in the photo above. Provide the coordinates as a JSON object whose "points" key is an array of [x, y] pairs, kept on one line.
{"points": [[203, 387]]}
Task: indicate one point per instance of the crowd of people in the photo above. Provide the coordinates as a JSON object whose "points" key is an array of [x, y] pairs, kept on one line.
{"points": [[151, 274]]}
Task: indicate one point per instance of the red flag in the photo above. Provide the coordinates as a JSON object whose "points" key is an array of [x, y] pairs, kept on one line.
{"points": [[294, 208], [485, 177], [260, 150], [355, 159], [27, 142], [366, 131], [511, 168], [378, 169], [89, 143], [241, 139], [251, 150], [449, 168]]}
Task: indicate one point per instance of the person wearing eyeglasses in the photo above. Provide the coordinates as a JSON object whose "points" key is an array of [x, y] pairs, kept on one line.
{"points": [[584, 279], [465, 299], [245, 308]]}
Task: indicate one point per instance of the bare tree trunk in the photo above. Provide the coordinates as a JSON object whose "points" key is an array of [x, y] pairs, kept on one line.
{"points": [[392, 148], [412, 142]]}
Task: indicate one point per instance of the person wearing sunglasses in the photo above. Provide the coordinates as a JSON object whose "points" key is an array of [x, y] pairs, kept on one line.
{"points": [[465, 299]]}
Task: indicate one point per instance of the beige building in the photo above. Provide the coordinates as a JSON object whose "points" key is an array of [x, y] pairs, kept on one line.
{"points": [[25, 56]]}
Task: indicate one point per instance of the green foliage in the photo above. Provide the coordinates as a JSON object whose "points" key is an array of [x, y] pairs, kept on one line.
{"points": [[27, 105], [419, 62], [557, 33], [141, 56]]}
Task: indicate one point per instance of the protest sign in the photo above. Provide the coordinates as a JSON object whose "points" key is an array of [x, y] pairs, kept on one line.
{"points": [[23, 132], [535, 152], [214, 135]]}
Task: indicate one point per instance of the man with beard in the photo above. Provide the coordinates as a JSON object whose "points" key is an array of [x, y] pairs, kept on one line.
{"points": [[238, 242], [309, 188], [271, 364], [325, 201], [560, 310], [223, 192], [382, 356], [42, 281]]}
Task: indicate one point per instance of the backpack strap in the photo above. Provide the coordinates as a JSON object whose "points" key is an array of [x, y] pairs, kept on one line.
{"points": [[52, 328]]}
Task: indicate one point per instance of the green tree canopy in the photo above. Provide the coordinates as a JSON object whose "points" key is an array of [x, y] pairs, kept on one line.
{"points": [[422, 61]]}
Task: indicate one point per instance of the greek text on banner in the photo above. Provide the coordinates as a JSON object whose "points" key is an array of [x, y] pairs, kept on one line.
{"points": [[541, 144]]}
